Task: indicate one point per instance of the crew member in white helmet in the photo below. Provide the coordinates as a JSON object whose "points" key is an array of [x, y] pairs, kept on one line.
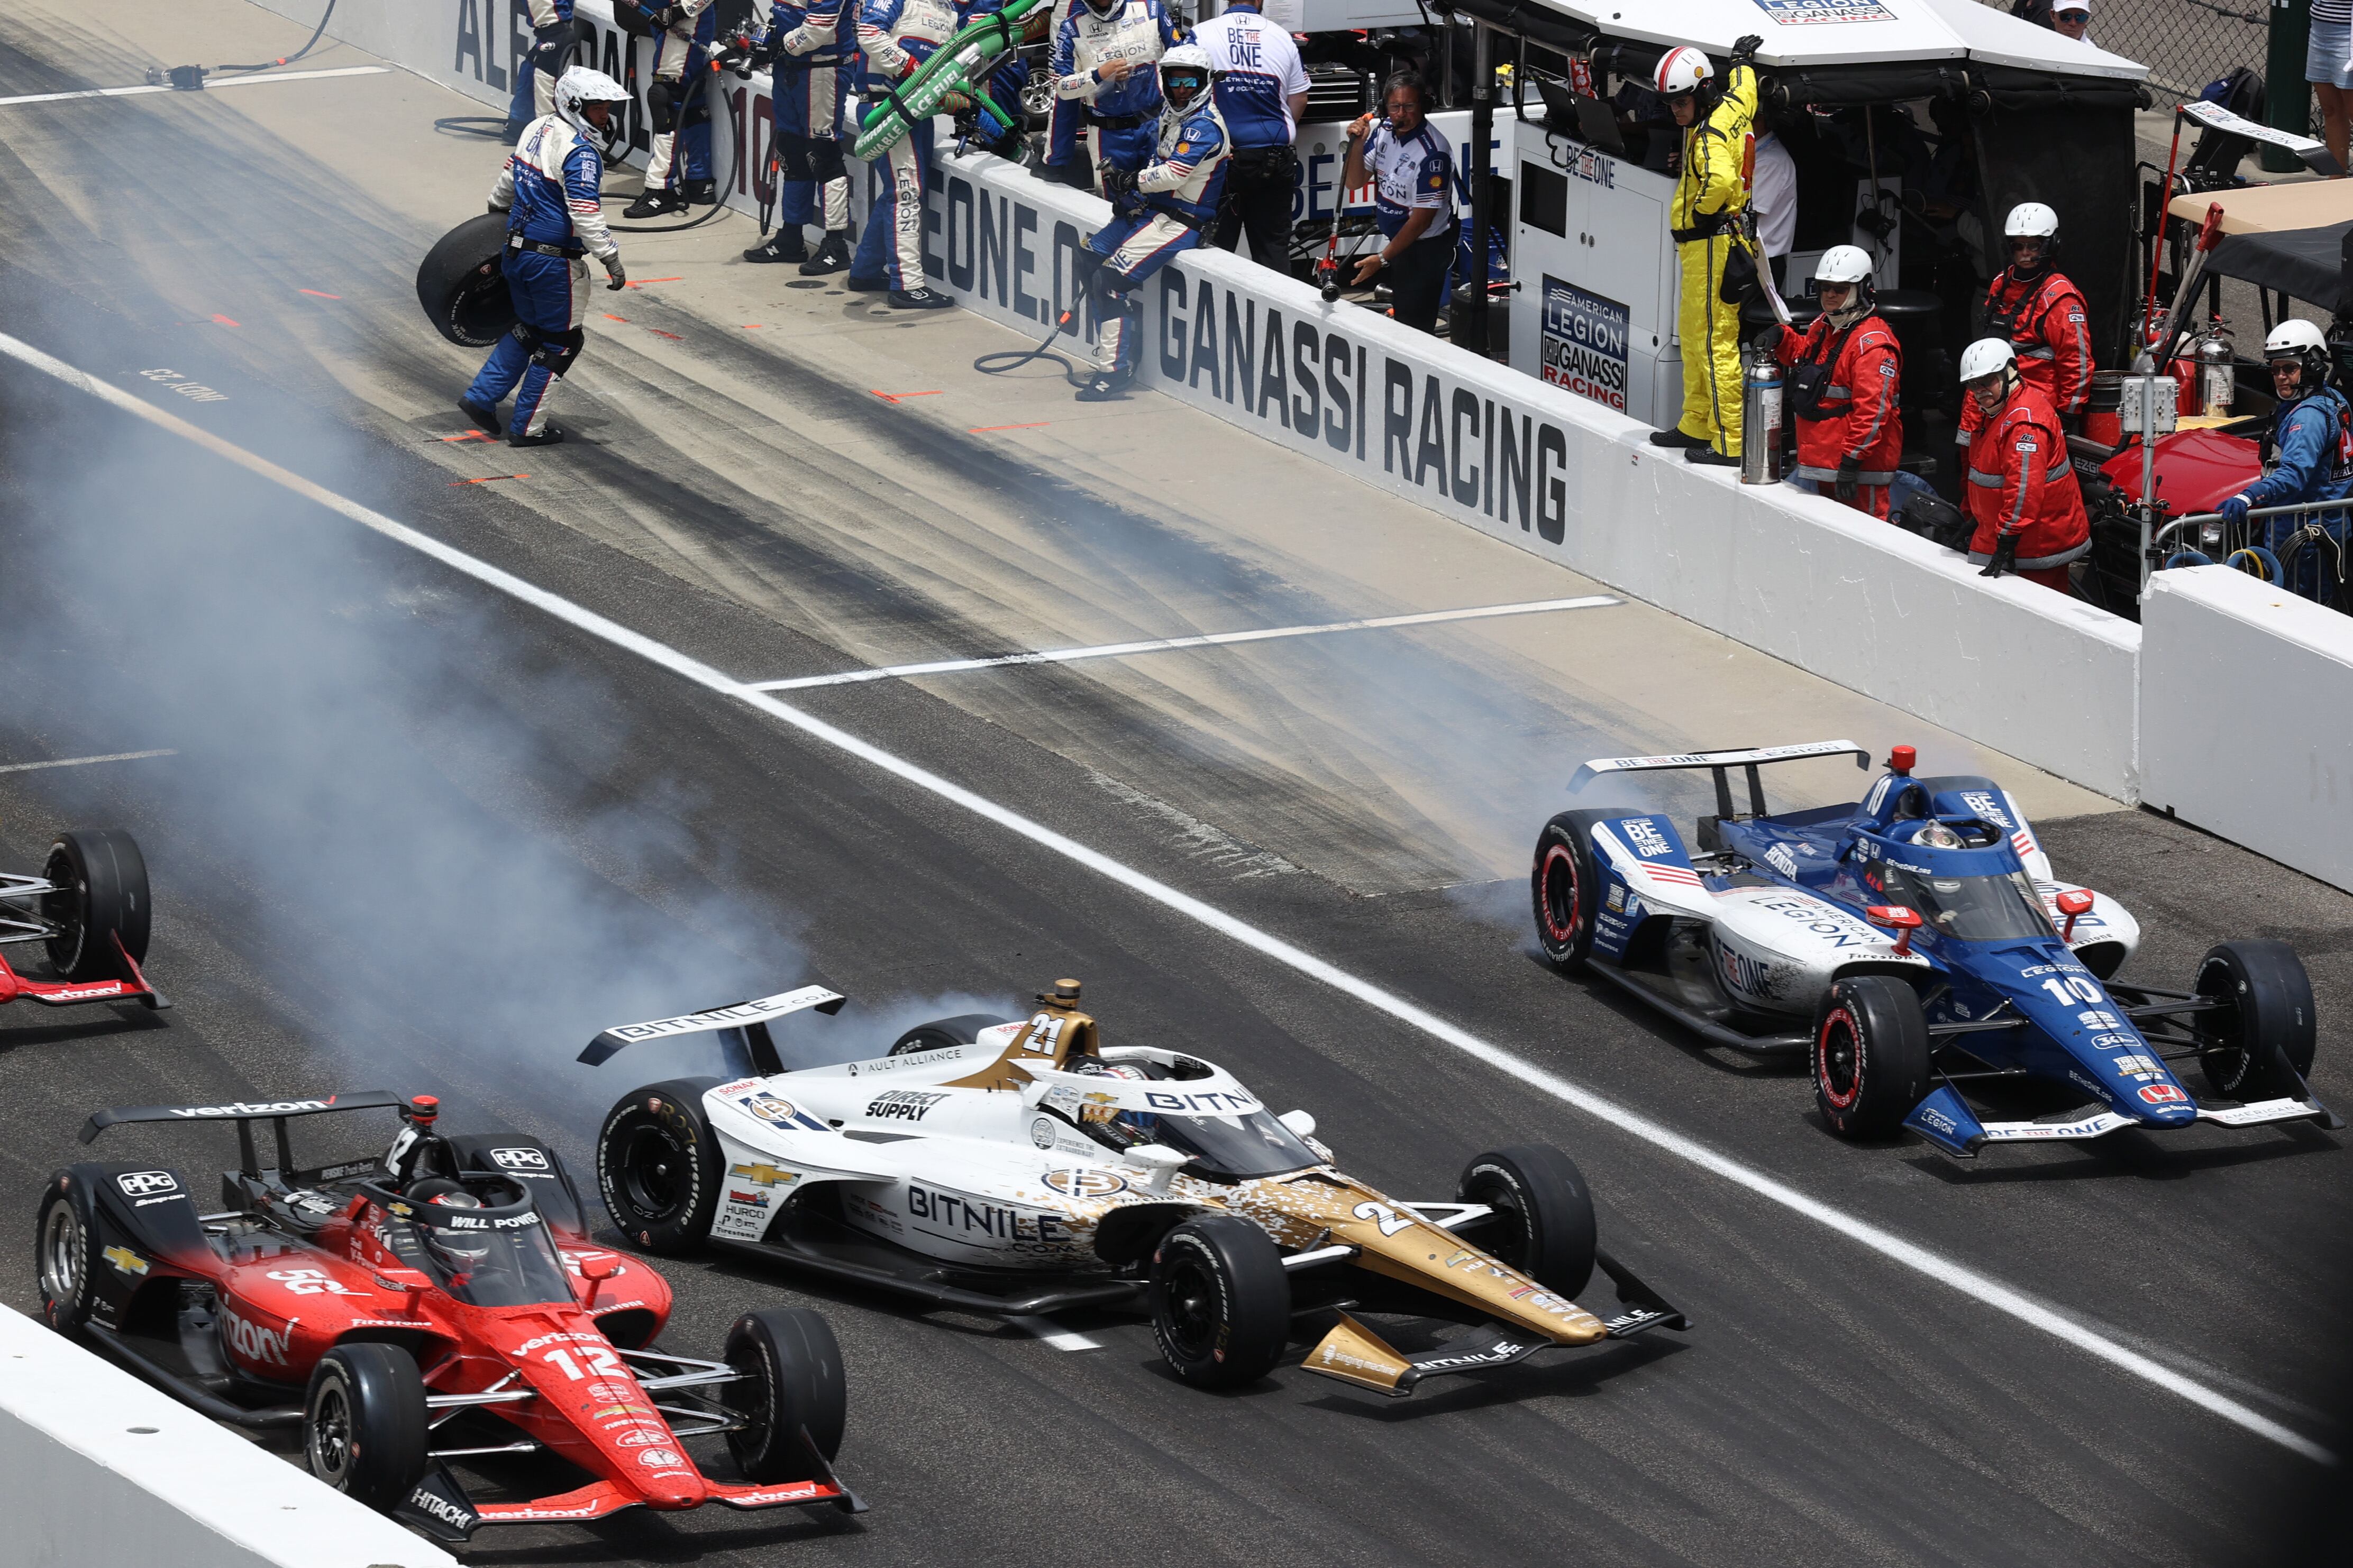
{"points": [[1845, 369]]}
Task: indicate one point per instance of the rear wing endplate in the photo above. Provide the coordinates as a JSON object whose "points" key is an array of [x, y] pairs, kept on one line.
{"points": [[244, 1114], [1720, 764], [750, 1019]]}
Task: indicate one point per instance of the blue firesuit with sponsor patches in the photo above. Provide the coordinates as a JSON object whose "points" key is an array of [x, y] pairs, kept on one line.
{"points": [[1010, 76], [1122, 116], [549, 189], [1175, 197], [817, 57], [896, 37], [680, 49], [2313, 442]]}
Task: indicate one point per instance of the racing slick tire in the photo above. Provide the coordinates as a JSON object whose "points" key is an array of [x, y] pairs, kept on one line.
{"points": [[102, 882], [65, 1256], [793, 1382], [943, 1032], [1566, 886], [658, 1166], [462, 286], [1871, 1056], [2261, 1046], [1221, 1301], [1545, 1211], [363, 1423]]}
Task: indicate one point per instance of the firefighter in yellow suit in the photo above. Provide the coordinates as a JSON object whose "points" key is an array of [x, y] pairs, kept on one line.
{"points": [[1711, 194]]}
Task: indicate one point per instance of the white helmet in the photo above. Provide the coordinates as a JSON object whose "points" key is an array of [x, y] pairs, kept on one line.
{"points": [[2031, 220], [1848, 264], [1682, 71], [1984, 357], [1187, 60], [580, 87], [2303, 341]]}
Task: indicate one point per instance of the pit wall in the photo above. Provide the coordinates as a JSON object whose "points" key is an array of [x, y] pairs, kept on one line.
{"points": [[99, 1470], [2045, 678]]}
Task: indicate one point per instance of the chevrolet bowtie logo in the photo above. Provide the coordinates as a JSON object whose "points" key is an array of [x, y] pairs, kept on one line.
{"points": [[764, 1176]]}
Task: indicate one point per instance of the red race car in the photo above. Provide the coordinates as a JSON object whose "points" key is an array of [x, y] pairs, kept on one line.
{"points": [[441, 1302], [89, 907]]}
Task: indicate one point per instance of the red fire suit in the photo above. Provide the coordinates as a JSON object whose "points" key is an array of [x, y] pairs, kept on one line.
{"points": [[2021, 481], [1858, 417], [2047, 323]]}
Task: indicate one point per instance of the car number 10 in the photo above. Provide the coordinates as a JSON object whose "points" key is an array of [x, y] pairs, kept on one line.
{"points": [[2074, 989]]}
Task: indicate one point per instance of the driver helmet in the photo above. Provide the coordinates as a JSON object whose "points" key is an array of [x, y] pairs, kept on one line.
{"points": [[1107, 1122], [1184, 76], [580, 87], [457, 1251], [1934, 835], [1849, 264], [2303, 343]]}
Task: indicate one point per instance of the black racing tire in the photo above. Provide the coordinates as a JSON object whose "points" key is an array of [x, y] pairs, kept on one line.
{"points": [[1221, 1301], [2261, 1045], [65, 1256], [658, 1166], [102, 882], [462, 286], [1544, 1225], [1871, 1056], [794, 1383], [1565, 885], [956, 1031], [364, 1424]]}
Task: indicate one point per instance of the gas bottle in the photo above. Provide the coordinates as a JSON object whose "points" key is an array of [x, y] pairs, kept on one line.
{"points": [[2218, 382], [1760, 423]]}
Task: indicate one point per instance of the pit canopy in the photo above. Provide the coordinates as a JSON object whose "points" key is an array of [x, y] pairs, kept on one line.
{"points": [[2290, 238]]}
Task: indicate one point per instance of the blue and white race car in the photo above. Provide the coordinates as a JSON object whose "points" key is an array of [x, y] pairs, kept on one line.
{"points": [[1913, 944]]}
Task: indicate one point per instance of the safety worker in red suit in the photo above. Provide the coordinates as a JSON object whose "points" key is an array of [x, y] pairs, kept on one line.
{"points": [[1845, 369], [2041, 312], [2022, 491], [1710, 195]]}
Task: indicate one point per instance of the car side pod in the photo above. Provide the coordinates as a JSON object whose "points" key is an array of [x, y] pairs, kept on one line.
{"points": [[1944, 1119]]}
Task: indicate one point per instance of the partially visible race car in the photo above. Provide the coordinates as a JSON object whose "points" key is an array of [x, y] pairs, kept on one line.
{"points": [[1019, 1167], [442, 1303], [1910, 943], [88, 908]]}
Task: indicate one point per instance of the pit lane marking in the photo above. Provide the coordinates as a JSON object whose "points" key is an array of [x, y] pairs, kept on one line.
{"points": [[82, 761], [1163, 644], [1978, 1286], [1061, 1339], [212, 84]]}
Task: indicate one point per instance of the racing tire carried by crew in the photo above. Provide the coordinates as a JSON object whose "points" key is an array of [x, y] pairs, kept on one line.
{"points": [[462, 286], [364, 1424], [1543, 1214], [658, 1166], [792, 1384], [1221, 1301], [2259, 1046], [1566, 885], [940, 1033], [102, 896], [65, 1255], [1871, 1056]]}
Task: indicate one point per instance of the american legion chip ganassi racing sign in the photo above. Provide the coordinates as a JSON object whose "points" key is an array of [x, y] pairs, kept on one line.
{"points": [[1334, 381]]}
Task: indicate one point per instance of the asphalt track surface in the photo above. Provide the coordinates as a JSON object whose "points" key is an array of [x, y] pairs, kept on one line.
{"points": [[415, 834]]}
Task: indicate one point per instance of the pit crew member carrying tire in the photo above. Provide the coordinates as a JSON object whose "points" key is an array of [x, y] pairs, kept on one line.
{"points": [[1710, 195], [1844, 371], [2041, 314], [550, 188], [2312, 440], [2022, 491], [1158, 213]]}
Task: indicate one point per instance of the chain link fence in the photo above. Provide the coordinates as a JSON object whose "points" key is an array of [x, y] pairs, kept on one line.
{"points": [[2185, 44]]}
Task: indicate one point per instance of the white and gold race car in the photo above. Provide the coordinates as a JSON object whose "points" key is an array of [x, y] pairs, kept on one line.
{"points": [[1021, 1167]]}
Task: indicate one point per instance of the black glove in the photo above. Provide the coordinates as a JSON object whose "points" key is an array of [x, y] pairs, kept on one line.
{"points": [[1745, 47], [2005, 556], [1849, 468], [670, 17], [1118, 185]]}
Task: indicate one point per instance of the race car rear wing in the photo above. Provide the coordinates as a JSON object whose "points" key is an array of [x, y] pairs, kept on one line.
{"points": [[749, 1020], [1720, 764], [244, 1114]]}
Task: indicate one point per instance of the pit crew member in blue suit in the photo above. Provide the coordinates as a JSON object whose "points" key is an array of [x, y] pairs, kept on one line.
{"points": [[1262, 86], [1157, 213], [549, 189], [816, 61], [684, 31], [1412, 172], [2312, 440], [898, 36], [1102, 55]]}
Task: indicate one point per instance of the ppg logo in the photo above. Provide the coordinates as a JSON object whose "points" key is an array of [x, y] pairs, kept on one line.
{"points": [[146, 1184], [519, 1159]]}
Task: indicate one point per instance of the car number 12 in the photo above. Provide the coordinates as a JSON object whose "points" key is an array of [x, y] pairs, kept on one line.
{"points": [[603, 1362]]}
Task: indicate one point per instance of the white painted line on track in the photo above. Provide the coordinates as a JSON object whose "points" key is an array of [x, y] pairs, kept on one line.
{"points": [[1980, 1288], [212, 84], [1165, 645], [1061, 1339], [81, 762]]}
